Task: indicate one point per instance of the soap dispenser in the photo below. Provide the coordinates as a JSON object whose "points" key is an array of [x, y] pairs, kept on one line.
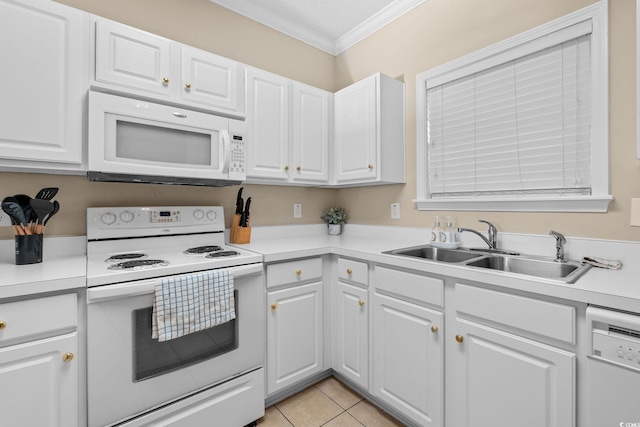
{"points": [[435, 231], [449, 233]]}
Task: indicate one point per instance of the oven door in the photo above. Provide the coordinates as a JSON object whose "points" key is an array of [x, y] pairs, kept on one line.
{"points": [[129, 374]]}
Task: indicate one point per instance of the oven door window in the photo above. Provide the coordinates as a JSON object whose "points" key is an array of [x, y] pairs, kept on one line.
{"points": [[152, 358]]}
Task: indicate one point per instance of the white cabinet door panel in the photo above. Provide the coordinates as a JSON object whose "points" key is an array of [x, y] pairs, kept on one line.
{"points": [[508, 380], [267, 125], [352, 333], [134, 59], [44, 74], [37, 387], [408, 359]]}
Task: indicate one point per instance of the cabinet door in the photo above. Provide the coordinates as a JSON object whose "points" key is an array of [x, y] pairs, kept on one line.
{"points": [[37, 386], [356, 131], [43, 71], [408, 359], [267, 125], [502, 380], [311, 137], [294, 335], [352, 333], [209, 80], [133, 59]]}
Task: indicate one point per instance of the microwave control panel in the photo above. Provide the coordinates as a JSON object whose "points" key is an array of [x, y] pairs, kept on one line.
{"points": [[238, 155]]}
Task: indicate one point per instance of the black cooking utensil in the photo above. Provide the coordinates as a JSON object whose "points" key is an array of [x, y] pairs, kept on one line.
{"points": [[25, 204], [16, 214], [56, 208], [47, 193], [42, 208]]}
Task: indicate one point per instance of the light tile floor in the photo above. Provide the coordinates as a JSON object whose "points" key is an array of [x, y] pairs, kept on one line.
{"points": [[328, 403]]}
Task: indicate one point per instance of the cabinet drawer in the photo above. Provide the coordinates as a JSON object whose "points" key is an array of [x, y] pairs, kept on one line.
{"points": [[37, 317], [292, 272], [420, 288], [544, 318], [354, 271]]}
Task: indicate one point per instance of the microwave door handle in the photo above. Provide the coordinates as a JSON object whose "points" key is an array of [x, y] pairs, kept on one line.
{"points": [[226, 148]]}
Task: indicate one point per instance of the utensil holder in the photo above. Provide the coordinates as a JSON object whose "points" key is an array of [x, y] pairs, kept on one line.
{"points": [[239, 234], [29, 249]]}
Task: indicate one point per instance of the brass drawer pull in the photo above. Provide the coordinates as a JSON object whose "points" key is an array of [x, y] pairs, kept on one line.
{"points": [[349, 271], [67, 357], [459, 338], [274, 306], [361, 303], [165, 80], [434, 329], [298, 272], [3, 324]]}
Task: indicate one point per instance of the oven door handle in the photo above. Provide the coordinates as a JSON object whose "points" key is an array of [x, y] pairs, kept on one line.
{"points": [[142, 287]]}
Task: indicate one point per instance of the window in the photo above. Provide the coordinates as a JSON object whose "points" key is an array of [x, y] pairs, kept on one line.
{"points": [[521, 125]]}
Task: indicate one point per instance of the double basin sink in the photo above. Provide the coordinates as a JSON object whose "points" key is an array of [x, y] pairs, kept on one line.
{"points": [[503, 261]]}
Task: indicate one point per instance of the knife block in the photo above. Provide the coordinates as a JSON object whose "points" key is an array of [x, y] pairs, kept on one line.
{"points": [[239, 234]]}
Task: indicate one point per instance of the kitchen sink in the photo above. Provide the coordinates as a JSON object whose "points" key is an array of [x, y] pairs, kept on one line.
{"points": [[567, 272], [436, 254], [500, 261]]}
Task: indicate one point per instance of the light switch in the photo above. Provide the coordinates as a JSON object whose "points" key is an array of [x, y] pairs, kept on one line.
{"points": [[635, 212]]}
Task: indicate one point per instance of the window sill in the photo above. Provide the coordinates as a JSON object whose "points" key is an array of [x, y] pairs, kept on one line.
{"points": [[506, 204]]}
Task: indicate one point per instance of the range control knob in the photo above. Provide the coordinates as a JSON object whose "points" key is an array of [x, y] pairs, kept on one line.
{"points": [[198, 214], [211, 215], [127, 216], [108, 218]]}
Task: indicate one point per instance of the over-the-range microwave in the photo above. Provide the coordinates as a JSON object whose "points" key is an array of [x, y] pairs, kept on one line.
{"points": [[132, 140]]}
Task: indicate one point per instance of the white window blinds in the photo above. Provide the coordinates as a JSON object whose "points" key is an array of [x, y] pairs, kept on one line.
{"points": [[519, 127]]}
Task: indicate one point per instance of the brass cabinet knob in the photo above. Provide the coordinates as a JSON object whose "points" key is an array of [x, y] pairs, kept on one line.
{"points": [[370, 166], [434, 329], [187, 85], [361, 303], [459, 338], [298, 272], [286, 168], [274, 306], [299, 168], [349, 271], [67, 357], [165, 80], [3, 324]]}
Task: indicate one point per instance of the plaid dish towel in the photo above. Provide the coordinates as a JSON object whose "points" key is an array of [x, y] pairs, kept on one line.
{"points": [[190, 303]]}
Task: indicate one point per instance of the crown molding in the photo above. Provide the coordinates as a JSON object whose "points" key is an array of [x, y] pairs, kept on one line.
{"points": [[272, 19]]}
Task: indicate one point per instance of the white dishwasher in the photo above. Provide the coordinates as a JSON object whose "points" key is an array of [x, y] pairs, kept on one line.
{"points": [[613, 368]]}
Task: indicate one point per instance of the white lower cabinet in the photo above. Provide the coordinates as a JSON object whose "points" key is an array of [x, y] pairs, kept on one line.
{"points": [[507, 367], [294, 335], [38, 363], [408, 359], [351, 333], [505, 380]]}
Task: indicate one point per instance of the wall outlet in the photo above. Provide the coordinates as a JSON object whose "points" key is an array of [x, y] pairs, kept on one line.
{"points": [[5, 221], [395, 210], [297, 210]]}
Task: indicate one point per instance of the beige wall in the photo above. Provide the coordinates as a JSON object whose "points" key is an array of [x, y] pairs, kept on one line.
{"points": [[433, 33], [439, 31]]}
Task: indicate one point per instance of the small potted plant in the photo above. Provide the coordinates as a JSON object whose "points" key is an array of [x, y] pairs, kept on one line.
{"points": [[334, 218]]}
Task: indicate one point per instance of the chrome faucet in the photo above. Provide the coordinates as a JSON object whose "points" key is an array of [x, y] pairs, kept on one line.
{"points": [[560, 241], [492, 241]]}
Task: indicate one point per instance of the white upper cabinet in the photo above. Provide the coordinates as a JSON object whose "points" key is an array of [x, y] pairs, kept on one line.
{"points": [[212, 80], [311, 127], [45, 61], [133, 59], [135, 62], [267, 125], [289, 130], [369, 132]]}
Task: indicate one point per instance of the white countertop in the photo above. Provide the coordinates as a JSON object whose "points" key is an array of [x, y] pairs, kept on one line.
{"points": [[63, 267], [610, 288]]}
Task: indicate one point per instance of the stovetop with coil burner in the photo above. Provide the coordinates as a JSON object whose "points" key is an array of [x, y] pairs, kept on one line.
{"points": [[126, 244]]}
